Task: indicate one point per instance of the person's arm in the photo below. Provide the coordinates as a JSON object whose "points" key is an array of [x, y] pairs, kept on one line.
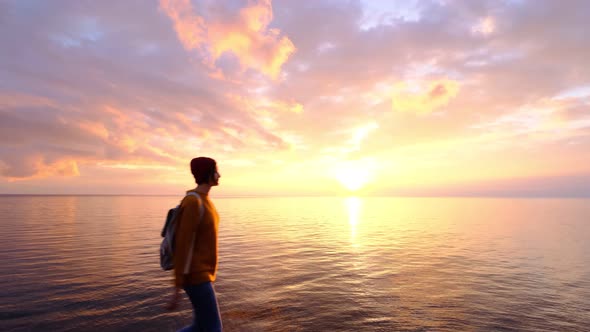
{"points": [[189, 221]]}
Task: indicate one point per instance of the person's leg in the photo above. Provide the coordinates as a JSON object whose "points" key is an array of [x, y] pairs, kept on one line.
{"points": [[206, 309], [191, 292], [189, 328]]}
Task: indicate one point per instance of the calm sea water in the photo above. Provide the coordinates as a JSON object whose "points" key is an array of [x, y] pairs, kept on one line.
{"points": [[90, 263]]}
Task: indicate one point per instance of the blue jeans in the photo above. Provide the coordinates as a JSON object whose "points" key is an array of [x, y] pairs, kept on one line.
{"points": [[205, 308]]}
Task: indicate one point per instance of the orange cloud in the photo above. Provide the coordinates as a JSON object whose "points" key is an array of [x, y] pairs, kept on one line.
{"points": [[416, 97], [189, 27], [62, 168], [95, 128], [247, 37], [277, 105], [8, 100], [43, 169]]}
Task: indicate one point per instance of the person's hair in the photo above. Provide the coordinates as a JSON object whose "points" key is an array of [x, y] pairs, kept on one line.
{"points": [[203, 169]]}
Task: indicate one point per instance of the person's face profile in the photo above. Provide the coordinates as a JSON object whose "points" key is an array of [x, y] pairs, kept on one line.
{"points": [[215, 177]]}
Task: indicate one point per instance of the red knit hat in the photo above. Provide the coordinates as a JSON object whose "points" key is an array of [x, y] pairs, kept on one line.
{"points": [[202, 166]]}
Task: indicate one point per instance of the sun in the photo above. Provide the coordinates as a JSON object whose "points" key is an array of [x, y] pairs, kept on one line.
{"points": [[352, 176]]}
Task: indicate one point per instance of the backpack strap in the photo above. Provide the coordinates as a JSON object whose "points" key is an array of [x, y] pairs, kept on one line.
{"points": [[189, 257]]}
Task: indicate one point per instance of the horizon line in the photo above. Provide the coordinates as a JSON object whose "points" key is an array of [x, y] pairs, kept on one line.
{"points": [[515, 196]]}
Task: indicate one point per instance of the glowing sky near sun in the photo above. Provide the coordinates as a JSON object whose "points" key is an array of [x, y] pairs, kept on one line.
{"points": [[296, 97]]}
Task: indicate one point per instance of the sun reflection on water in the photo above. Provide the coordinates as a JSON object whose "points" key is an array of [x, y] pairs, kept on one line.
{"points": [[353, 204]]}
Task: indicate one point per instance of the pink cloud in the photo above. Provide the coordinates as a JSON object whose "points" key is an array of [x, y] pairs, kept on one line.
{"points": [[246, 36], [85, 86]]}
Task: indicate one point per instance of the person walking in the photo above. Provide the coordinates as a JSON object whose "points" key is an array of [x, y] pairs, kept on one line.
{"points": [[195, 271]]}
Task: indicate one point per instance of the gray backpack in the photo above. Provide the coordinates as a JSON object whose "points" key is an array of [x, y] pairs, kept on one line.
{"points": [[169, 234]]}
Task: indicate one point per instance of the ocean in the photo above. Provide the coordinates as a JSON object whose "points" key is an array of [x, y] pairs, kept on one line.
{"points": [[90, 263]]}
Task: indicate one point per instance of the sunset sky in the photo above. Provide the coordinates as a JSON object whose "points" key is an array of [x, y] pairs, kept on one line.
{"points": [[296, 97]]}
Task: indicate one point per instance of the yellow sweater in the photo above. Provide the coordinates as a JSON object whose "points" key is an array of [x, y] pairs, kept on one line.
{"points": [[203, 265]]}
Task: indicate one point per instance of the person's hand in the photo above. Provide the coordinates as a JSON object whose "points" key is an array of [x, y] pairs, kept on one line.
{"points": [[173, 304]]}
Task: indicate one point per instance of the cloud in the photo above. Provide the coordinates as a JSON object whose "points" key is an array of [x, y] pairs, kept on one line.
{"points": [[541, 123], [422, 97], [119, 92], [350, 141], [246, 35], [86, 84], [38, 166], [495, 75], [485, 26], [190, 28]]}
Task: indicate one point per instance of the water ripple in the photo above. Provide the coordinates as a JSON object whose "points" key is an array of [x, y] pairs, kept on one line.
{"points": [[305, 264]]}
